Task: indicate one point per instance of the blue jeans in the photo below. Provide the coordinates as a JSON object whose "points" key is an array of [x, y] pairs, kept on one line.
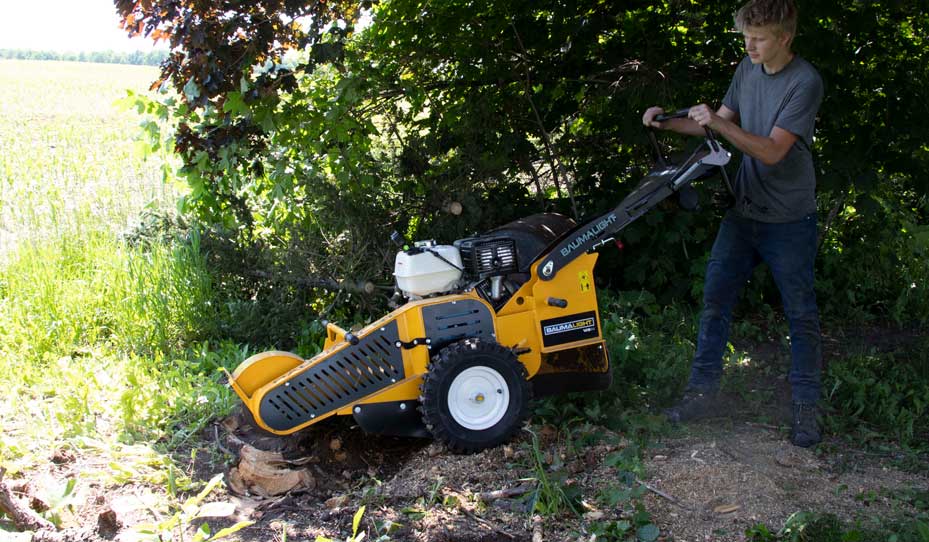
{"points": [[789, 249]]}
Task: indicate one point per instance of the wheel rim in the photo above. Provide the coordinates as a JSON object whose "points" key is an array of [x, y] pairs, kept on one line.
{"points": [[478, 398]]}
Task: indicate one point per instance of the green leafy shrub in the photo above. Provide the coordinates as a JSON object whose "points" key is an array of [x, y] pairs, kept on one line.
{"points": [[887, 392], [308, 161], [650, 346], [876, 265]]}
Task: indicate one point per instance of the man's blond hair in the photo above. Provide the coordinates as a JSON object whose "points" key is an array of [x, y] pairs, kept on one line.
{"points": [[781, 14]]}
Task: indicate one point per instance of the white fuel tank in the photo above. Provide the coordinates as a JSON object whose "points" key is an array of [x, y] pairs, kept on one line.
{"points": [[420, 272]]}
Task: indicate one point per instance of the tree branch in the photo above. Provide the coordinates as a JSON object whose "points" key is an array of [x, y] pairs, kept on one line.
{"points": [[23, 516], [546, 137]]}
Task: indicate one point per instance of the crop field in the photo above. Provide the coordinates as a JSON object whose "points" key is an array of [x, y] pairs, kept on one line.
{"points": [[90, 326], [68, 161]]}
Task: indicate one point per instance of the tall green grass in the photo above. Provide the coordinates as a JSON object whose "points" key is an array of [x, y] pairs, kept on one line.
{"points": [[100, 344], [65, 294]]}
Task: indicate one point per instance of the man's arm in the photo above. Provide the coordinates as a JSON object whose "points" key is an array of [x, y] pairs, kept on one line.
{"points": [[686, 126], [769, 149]]}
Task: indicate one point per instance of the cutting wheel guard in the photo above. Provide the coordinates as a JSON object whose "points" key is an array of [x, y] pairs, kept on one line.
{"points": [[662, 181]]}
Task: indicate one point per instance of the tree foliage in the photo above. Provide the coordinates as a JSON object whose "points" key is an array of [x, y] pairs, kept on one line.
{"points": [[308, 141]]}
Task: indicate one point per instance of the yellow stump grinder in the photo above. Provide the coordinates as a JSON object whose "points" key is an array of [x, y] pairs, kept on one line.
{"points": [[489, 322]]}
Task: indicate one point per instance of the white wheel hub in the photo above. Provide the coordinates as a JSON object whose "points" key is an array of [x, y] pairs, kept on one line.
{"points": [[478, 398]]}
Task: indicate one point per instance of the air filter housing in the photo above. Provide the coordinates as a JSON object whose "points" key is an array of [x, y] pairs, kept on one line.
{"points": [[488, 256]]}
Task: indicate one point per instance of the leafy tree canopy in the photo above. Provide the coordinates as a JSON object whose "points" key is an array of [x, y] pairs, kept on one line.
{"points": [[309, 140]]}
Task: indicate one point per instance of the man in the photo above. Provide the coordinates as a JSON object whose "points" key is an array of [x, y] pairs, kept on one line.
{"points": [[769, 114]]}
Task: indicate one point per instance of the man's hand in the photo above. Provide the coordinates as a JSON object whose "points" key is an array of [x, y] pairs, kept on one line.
{"points": [[704, 116], [723, 199], [648, 119]]}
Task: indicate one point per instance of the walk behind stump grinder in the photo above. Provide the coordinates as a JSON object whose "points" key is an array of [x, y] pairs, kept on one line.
{"points": [[489, 322]]}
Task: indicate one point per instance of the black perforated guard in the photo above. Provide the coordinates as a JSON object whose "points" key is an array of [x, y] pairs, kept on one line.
{"points": [[660, 183], [352, 373]]}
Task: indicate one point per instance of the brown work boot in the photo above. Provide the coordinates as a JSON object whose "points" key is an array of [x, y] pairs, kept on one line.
{"points": [[695, 405]]}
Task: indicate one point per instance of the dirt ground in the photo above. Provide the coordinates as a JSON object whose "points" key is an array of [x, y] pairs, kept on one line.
{"points": [[706, 481]]}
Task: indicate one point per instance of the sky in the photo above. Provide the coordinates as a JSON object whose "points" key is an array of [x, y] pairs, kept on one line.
{"points": [[65, 25]]}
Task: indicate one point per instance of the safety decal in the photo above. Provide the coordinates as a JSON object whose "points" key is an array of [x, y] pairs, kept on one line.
{"points": [[566, 329], [583, 278]]}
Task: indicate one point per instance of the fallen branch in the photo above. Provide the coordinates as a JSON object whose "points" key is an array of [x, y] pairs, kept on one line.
{"points": [[764, 425], [729, 453], [23, 517], [488, 496], [664, 495], [485, 523], [356, 286], [218, 442]]}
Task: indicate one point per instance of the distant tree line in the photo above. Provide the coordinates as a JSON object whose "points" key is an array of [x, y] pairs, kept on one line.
{"points": [[151, 58]]}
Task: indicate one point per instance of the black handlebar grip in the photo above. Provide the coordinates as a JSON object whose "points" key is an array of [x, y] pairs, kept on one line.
{"points": [[557, 302], [679, 114], [351, 338]]}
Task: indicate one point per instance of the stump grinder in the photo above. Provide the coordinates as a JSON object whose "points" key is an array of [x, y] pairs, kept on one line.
{"points": [[489, 322]]}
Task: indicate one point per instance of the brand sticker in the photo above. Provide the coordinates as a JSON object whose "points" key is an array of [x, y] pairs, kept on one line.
{"points": [[574, 327], [592, 233], [569, 326]]}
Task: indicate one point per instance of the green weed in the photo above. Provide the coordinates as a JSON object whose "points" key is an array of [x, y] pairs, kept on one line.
{"points": [[819, 527], [626, 496], [888, 393], [553, 495], [355, 537], [175, 526], [58, 503], [625, 531]]}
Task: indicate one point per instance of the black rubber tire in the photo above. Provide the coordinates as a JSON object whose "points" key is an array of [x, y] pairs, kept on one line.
{"points": [[448, 364]]}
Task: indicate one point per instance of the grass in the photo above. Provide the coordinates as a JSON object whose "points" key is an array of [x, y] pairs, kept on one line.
{"points": [[99, 339]]}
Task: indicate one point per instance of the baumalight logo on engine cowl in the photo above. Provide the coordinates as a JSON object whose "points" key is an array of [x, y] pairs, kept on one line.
{"points": [[591, 233], [565, 327]]}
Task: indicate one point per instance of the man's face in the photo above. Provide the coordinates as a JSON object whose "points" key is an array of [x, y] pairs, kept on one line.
{"points": [[764, 43]]}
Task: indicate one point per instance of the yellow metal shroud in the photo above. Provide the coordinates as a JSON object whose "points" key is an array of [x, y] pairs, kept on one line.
{"points": [[518, 325]]}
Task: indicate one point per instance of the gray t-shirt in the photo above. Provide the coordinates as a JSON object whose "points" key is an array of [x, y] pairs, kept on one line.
{"points": [[789, 99]]}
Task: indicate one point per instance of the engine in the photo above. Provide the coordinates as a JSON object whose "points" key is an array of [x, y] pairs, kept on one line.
{"points": [[496, 263]]}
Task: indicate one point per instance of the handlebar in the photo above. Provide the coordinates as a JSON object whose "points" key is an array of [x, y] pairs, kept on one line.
{"points": [[679, 114], [710, 139]]}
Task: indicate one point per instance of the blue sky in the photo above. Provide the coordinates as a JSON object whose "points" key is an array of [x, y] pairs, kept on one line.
{"points": [[64, 25]]}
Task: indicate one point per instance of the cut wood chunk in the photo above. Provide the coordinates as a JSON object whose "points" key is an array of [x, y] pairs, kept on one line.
{"points": [[268, 473]]}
